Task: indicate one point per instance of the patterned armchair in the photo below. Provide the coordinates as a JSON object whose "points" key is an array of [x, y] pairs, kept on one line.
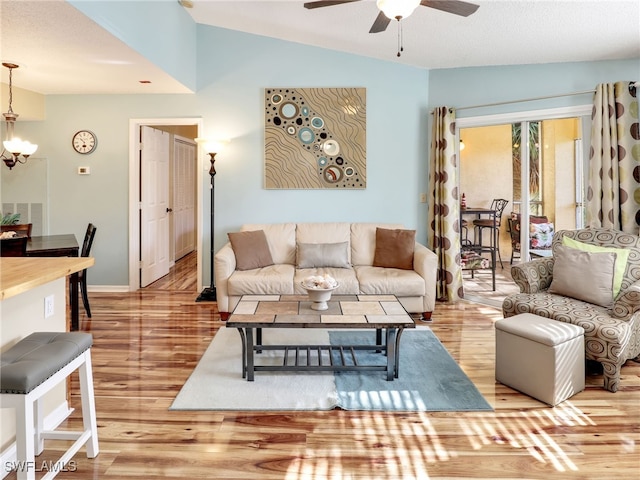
{"points": [[612, 334]]}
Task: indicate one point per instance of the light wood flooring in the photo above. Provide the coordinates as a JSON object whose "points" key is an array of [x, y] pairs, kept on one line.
{"points": [[147, 343], [478, 285]]}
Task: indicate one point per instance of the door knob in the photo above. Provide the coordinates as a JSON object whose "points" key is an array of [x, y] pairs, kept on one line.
{"points": [[169, 210]]}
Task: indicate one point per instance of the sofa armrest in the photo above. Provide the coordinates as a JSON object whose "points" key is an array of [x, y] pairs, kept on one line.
{"points": [[534, 276], [425, 263], [628, 302], [224, 265]]}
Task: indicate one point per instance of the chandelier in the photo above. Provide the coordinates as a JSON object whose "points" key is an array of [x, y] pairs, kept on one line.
{"points": [[13, 145]]}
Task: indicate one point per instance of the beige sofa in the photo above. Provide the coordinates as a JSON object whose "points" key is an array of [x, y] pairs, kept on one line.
{"points": [[414, 288], [612, 332]]}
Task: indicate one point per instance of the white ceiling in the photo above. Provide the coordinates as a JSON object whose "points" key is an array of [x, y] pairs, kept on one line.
{"points": [[62, 51]]}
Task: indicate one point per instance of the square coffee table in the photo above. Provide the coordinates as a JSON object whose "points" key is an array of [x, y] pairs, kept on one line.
{"points": [[382, 313]]}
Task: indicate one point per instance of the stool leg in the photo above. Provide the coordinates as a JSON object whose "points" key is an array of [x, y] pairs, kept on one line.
{"points": [[88, 405], [39, 424], [25, 456]]}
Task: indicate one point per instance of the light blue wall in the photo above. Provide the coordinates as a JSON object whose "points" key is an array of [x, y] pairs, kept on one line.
{"points": [[161, 31], [234, 77], [233, 70], [465, 87]]}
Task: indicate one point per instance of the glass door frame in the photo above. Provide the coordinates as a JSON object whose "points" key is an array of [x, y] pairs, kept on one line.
{"points": [[579, 112]]}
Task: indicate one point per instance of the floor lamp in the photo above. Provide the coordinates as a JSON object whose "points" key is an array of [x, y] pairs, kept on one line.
{"points": [[212, 148]]}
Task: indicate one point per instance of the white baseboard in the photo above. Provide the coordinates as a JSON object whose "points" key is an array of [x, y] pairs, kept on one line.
{"points": [[108, 288], [50, 422]]}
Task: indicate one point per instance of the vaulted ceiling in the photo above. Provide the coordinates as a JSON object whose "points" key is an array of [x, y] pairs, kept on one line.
{"points": [[63, 51]]}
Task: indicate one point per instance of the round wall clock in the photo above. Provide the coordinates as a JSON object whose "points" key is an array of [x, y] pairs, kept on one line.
{"points": [[84, 141]]}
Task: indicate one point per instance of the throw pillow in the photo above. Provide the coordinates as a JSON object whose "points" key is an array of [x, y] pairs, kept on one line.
{"points": [[587, 276], [540, 235], [251, 249], [315, 255], [622, 256], [394, 248]]}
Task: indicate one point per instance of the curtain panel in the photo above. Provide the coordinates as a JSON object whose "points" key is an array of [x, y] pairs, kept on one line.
{"points": [[613, 196], [444, 208]]}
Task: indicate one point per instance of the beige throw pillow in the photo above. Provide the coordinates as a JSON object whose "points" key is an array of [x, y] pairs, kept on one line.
{"points": [[622, 256], [586, 276], [316, 255], [251, 249], [394, 248]]}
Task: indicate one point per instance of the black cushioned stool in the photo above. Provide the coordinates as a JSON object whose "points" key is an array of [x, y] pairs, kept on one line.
{"points": [[31, 368]]}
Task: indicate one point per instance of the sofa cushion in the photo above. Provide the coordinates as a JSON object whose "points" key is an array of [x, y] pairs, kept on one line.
{"points": [[346, 278], [583, 275], [310, 255], [281, 238], [329, 232], [622, 256], [379, 281], [394, 248], [251, 249], [363, 241], [275, 279]]}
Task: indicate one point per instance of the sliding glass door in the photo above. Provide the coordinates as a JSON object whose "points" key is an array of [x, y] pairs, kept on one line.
{"points": [[537, 164]]}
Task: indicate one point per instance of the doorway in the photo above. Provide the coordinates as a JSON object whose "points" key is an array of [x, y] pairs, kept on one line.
{"points": [[501, 154], [188, 129]]}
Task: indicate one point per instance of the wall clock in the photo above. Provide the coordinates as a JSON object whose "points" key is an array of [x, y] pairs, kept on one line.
{"points": [[84, 141]]}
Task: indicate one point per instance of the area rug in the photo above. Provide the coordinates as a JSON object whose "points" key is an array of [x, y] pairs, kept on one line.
{"points": [[430, 379]]}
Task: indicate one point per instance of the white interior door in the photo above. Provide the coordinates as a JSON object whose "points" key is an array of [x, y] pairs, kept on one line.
{"points": [[154, 205], [184, 197]]}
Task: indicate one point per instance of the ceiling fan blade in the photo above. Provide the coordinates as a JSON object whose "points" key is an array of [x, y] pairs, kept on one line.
{"points": [[464, 9], [327, 3], [381, 23]]}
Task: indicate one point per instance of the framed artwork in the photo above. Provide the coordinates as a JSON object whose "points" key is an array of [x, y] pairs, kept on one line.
{"points": [[315, 138]]}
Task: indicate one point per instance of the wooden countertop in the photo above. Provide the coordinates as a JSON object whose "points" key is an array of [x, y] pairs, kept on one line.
{"points": [[20, 274]]}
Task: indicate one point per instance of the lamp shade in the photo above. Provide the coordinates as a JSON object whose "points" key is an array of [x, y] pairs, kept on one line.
{"points": [[15, 145], [397, 8], [212, 146], [29, 148]]}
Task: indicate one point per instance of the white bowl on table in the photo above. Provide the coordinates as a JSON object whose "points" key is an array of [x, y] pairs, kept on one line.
{"points": [[319, 296]]}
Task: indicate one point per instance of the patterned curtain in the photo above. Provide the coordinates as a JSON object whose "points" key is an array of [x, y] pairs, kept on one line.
{"points": [[613, 197], [444, 208]]}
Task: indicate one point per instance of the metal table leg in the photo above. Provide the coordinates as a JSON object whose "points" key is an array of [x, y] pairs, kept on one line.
{"points": [[244, 352], [391, 353], [250, 359]]}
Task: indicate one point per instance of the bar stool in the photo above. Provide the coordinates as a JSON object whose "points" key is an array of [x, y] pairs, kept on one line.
{"points": [[30, 369], [493, 225]]}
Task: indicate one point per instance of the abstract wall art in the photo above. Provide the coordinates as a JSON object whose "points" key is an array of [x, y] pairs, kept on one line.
{"points": [[315, 138]]}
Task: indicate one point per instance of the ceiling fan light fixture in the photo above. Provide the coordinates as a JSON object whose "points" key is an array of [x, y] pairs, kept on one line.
{"points": [[397, 9]]}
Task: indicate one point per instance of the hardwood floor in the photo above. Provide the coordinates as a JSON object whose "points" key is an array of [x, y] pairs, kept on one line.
{"points": [[147, 343]]}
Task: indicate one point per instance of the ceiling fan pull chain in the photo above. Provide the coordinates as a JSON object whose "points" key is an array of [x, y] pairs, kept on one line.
{"points": [[400, 39]]}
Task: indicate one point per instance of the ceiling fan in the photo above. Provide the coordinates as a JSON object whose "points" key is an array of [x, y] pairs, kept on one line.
{"points": [[399, 9]]}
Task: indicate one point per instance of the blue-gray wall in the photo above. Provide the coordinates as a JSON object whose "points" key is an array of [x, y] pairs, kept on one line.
{"points": [[232, 71], [160, 30], [466, 87]]}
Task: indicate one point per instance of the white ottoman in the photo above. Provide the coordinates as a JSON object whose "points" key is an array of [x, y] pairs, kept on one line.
{"points": [[540, 357]]}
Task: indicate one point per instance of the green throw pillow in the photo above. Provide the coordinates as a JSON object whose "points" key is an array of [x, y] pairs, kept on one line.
{"points": [[622, 256]]}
